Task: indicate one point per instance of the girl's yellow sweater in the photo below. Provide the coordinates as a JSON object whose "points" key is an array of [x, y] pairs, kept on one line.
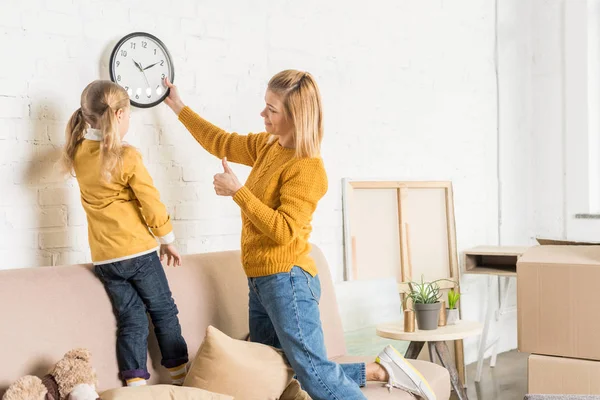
{"points": [[125, 216]]}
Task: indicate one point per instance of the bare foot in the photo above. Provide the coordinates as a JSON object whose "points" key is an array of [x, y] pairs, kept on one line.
{"points": [[376, 373]]}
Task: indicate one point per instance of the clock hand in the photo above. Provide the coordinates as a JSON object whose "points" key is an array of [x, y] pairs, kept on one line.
{"points": [[147, 83], [150, 66], [137, 64]]}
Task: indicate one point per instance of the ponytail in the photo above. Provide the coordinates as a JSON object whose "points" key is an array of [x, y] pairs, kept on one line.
{"points": [[74, 136], [110, 150]]}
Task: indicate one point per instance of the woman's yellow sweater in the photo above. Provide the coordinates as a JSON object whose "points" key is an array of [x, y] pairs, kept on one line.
{"points": [[277, 201]]}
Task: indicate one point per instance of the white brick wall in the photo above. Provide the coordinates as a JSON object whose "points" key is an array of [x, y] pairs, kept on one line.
{"points": [[408, 90]]}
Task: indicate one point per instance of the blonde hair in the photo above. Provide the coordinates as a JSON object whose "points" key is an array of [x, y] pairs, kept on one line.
{"points": [[100, 101], [302, 104]]}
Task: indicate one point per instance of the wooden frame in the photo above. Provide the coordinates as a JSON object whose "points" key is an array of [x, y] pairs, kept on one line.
{"points": [[405, 269], [401, 188]]}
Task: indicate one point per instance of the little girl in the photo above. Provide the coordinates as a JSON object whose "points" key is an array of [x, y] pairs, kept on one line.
{"points": [[125, 218]]}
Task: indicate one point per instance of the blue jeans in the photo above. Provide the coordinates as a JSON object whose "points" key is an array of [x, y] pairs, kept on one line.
{"points": [[284, 313], [137, 286]]}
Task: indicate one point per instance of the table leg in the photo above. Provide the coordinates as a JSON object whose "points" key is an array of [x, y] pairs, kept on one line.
{"points": [[459, 360], [443, 353], [414, 348], [431, 347], [483, 345]]}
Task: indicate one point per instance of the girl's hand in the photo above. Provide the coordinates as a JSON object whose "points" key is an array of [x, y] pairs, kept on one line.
{"points": [[173, 100], [226, 183], [172, 254]]}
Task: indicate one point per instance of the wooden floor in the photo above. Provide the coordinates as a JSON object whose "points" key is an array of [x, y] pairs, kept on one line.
{"points": [[507, 381]]}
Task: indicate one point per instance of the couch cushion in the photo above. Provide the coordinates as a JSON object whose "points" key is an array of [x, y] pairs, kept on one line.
{"points": [[162, 392], [437, 376], [242, 369]]}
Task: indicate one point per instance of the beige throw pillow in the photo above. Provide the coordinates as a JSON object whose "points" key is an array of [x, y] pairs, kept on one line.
{"points": [[294, 392], [161, 392], [244, 370]]}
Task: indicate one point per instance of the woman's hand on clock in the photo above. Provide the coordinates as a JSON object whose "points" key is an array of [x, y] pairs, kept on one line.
{"points": [[173, 100]]}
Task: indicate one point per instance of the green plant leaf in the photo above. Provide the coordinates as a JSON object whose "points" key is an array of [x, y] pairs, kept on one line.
{"points": [[424, 292], [453, 297]]}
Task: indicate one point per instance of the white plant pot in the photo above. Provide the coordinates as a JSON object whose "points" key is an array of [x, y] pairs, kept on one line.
{"points": [[451, 316]]}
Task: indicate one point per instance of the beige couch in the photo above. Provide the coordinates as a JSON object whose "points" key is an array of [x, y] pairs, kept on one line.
{"points": [[46, 311]]}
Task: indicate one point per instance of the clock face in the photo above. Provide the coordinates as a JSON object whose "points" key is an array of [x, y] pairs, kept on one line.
{"points": [[139, 63]]}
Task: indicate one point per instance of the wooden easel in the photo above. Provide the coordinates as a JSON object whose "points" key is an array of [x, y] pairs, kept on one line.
{"points": [[404, 251]]}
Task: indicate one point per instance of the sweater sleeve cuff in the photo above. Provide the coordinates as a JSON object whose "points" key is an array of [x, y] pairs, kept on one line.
{"points": [[167, 239], [242, 196], [186, 114], [162, 230]]}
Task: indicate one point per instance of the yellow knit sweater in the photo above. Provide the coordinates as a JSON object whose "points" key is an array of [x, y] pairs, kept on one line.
{"points": [[277, 201], [125, 216]]}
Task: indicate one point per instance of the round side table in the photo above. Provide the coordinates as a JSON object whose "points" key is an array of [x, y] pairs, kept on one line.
{"points": [[436, 341]]}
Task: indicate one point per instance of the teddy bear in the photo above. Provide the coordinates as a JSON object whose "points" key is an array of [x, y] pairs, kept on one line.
{"points": [[72, 378]]}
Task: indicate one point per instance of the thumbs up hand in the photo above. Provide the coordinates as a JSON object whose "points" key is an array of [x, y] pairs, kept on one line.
{"points": [[226, 183]]}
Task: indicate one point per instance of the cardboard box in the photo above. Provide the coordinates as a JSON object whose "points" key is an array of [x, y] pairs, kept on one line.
{"points": [[557, 375], [558, 310], [492, 260], [562, 242]]}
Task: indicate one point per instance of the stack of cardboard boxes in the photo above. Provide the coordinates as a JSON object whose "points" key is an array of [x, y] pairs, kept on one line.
{"points": [[558, 300]]}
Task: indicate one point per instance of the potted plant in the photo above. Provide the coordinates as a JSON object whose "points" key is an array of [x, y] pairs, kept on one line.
{"points": [[425, 297], [452, 311]]}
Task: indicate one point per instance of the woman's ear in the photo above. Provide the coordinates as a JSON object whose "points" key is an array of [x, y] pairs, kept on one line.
{"points": [[119, 114]]}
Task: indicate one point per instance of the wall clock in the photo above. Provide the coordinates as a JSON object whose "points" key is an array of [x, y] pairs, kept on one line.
{"points": [[139, 63]]}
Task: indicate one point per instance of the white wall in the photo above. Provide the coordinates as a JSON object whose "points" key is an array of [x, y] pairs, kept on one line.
{"points": [[515, 214], [545, 107], [409, 90], [547, 120], [549, 137], [565, 123]]}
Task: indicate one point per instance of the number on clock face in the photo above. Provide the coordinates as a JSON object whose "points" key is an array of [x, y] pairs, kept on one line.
{"points": [[139, 63]]}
